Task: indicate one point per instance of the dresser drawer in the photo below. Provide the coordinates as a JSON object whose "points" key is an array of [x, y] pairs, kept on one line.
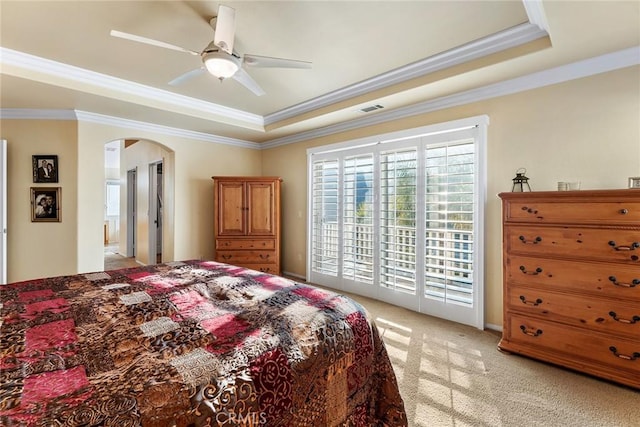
{"points": [[562, 342], [245, 244], [246, 257], [616, 281], [583, 212], [606, 244], [598, 314]]}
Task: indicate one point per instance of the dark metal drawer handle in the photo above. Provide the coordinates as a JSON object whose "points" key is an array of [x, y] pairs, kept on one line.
{"points": [[633, 284], [264, 269], [632, 247], [623, 211], [633, 320], [226, 257], [530, 332], [634, 356], [264, 256], [530, 210], [535, 303], [533, 273], [534, 241]]}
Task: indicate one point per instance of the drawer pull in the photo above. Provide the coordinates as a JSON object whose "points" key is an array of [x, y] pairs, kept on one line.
{"points": [[631, 247], [624, 211], [633, 320], [264, 269], [530, 332], [226, 257], [530, 210], [634, 356], [633, 284], [532, 273], [535, 303], [534, 241], [264, 256]]}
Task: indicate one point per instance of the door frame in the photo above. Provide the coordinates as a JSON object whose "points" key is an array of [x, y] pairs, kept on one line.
{"points": [[132, 200], [155, 217], [3, 211]]}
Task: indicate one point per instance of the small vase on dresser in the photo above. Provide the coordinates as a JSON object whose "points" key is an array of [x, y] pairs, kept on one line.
{"points": [[571, 271]]}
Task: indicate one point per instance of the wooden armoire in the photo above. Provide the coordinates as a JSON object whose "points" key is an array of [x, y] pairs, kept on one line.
{"points": [[572, 280], [247, 222]]}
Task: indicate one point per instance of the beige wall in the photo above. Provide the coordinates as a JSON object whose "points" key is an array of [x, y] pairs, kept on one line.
{"points": [[40, 249], [586, 130], [78, 239]]}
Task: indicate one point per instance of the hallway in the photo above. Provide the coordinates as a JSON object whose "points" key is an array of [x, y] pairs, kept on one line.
{"points": [[114, 261]]}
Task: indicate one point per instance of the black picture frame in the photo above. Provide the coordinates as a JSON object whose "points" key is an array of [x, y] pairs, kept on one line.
{"points": [[46, 204], [45, 168]]}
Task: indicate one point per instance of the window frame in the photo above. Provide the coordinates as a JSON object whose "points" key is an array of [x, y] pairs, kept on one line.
{"points": [[420, 138]]}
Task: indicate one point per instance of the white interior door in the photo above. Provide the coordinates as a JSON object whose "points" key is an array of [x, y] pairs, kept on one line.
{"points": [[132, 199], [3, 211], [155, 212]]}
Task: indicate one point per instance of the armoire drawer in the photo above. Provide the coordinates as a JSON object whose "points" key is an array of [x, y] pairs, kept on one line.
{"points": [[562, 342], [610, 245], [263, 268], [246, 257], [245, 244], [591, 278], [599, 314], [576, 212]]}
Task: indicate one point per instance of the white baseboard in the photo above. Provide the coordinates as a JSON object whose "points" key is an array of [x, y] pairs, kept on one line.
{"points": [[493, 327], [297, 276]]}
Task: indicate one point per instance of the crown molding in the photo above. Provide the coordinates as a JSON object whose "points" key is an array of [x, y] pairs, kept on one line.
{"points": [[86, 116], [58, 70], [503, 40], [89, 117], [585, 68], [33, 114], [536, 14]]}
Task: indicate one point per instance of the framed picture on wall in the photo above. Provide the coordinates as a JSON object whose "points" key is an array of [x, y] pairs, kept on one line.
{"points": [[46, 204], [45, 168]]}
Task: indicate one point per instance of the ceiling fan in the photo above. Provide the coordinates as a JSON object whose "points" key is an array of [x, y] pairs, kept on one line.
{"points": [[219, 58]]}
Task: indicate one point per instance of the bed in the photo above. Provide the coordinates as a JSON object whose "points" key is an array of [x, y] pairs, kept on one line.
{"points": [[190, 343]]}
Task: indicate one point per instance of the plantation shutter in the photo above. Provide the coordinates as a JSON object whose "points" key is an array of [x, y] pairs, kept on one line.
{"points": [[449, 222], [357, 220], [401, 219], [324, 258], [398, 184]]}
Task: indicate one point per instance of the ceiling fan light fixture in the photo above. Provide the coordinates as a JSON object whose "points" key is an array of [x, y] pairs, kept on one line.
{"points": [[220, 64]]}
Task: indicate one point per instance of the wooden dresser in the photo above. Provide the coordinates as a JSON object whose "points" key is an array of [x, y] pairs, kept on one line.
{"points": [[247, 222], [572, 280]]}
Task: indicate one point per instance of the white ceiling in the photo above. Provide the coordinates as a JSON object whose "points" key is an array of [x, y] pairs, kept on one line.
{"points": [[393, 53]]}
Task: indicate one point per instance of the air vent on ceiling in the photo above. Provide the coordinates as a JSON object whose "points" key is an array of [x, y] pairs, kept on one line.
{"points": [[371, 108]]}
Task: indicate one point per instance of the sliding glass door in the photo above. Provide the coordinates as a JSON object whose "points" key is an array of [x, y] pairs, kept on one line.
{"points": [[399, 221]]}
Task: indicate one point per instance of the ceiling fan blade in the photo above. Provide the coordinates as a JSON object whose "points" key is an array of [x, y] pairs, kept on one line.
{"points": [[245, 79], [152, 42], [225, 28], [187, 76], [270, 62]]}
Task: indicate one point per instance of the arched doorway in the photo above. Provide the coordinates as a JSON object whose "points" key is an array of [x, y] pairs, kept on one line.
{"points": [[146, 197]]}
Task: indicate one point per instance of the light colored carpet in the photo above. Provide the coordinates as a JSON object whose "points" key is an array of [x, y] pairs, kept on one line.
{"points": [[453, 375], [115, 261]]}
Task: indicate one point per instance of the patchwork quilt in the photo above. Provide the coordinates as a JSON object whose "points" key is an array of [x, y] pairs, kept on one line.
{"points": [[191, 343]]}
